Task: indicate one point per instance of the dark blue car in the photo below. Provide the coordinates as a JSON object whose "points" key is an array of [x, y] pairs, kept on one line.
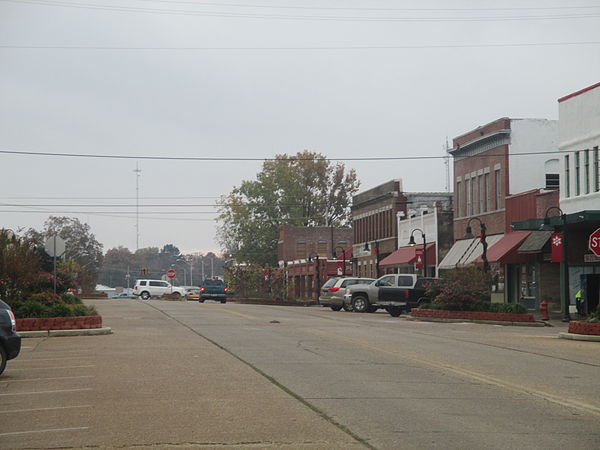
{"points": [[10, 341]]}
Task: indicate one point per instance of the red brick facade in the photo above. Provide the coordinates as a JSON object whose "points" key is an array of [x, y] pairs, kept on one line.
{"points": [[296, 243]]}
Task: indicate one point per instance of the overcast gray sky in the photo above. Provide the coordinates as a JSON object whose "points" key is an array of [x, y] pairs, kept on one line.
{"points": [[256, 78]]}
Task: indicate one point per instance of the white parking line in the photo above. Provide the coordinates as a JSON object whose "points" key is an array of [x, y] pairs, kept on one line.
{"points": [[53, 430], [46, 392], [11, 411], [46, 368], [51, 378], [52, 359]]}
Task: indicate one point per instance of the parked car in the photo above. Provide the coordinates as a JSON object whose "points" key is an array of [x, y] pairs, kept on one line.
{"points": [[332, 292], [155, 288], [192, 293], [214, 289], [366, 297], [10, 341], [124, 295]]}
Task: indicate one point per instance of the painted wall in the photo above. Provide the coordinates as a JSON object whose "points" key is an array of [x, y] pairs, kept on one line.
{"points": [[528, 171], [579, 130]]}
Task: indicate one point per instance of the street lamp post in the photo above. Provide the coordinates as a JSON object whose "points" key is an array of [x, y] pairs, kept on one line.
{"points": [[482, 235], [564, 265], [343, 258], [412, 242], [317, 268]]}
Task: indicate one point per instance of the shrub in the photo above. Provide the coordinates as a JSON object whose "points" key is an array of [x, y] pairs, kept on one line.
{"points": [[512, 308], [81, 310], [70, 299], [31, 308], [61, 310], [46, 298]]}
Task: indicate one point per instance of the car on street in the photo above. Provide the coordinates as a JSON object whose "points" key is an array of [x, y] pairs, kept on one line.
{"points": [[155, 288], [332, 292], [192, 293], [214, 289], [10, 341]]}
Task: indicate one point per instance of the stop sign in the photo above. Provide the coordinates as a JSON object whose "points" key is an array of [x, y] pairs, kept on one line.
{"points": [[171, 273], [594, 242]]}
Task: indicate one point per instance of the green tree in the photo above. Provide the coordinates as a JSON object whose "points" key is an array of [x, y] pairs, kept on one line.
{"points": [[81, 247], [302, 190], [19, 265]]}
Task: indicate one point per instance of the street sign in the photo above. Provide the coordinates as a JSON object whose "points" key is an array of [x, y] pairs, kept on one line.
{"points": [[594, 242], [55, 246], [171, 273]]}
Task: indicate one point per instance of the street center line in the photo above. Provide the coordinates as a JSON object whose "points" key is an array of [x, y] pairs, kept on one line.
{"points": [[52, 430], [11, 411], [46, 392], [481, 377], [235, 313]]}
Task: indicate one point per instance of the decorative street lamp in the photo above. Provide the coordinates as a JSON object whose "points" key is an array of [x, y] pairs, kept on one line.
{"points": [[482, 235], [412, 243], [343, 258], [564, 265], [317, 268]]}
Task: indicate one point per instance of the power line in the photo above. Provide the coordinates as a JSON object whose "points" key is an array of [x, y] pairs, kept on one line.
{"points": [[297, 48], [238, 159], [262, 16]]}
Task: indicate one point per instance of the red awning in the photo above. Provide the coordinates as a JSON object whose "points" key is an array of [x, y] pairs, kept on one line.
{"points": [[407, 256], [506, 249]]}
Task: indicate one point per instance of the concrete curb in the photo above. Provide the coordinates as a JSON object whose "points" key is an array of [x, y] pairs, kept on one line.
{"points": [[485, 322], [56, 333], [579, 337]]}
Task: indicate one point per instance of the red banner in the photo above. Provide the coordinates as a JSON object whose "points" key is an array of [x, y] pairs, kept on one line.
{"points": [[419, 255], [556, 243]]}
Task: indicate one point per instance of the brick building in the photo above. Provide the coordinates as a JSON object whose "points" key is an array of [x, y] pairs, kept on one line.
{"points": [[374, 226], [312, 255], [491, 164]]}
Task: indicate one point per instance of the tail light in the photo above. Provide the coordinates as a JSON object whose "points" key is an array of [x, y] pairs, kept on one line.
{"points": [[334, 289], [225, 289], [13, 321], [202, 289]]}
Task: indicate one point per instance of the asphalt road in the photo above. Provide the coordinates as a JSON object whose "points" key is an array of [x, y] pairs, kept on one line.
{"points": [[247, 376]]}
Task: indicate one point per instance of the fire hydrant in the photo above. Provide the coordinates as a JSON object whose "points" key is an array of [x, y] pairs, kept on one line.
{"points": [[544, 310]]}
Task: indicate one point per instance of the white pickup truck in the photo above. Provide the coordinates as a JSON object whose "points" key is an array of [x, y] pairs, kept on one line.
{"points": [[394, 292]]}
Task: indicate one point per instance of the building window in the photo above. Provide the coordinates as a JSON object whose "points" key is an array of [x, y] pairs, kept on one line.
{"points": [[469, 197], [481, 193], [300, 250], [486, 205], [595, 172], [322, 248], [586, 172], [567, 177], [459, 208], [498, 188], [577, 175]]}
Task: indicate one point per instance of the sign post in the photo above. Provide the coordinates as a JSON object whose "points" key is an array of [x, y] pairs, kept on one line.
{"points": [[55, 247]]}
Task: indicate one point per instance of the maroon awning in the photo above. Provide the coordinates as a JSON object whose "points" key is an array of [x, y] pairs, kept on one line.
{"points": [[407, 256]]}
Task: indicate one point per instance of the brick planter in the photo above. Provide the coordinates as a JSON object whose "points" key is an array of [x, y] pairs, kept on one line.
{"points": [[470, 315], [577, 327], [59, 323]]}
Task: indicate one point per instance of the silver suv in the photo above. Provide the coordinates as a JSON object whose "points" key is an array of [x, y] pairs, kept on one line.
{"points": [[332, 292], [155, 288]]}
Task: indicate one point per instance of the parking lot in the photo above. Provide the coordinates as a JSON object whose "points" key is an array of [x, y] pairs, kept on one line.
{"points": [[152, 382]]}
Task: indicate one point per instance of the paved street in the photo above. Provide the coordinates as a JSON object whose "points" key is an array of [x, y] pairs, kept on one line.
{"points": [[247, 376]]}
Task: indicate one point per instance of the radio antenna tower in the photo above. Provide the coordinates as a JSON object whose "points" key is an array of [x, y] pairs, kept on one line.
{"points": [[447, 163], [138, 173]]}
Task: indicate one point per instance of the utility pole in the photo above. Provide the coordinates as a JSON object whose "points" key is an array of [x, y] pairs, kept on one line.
{"points": [[138, 172]]}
